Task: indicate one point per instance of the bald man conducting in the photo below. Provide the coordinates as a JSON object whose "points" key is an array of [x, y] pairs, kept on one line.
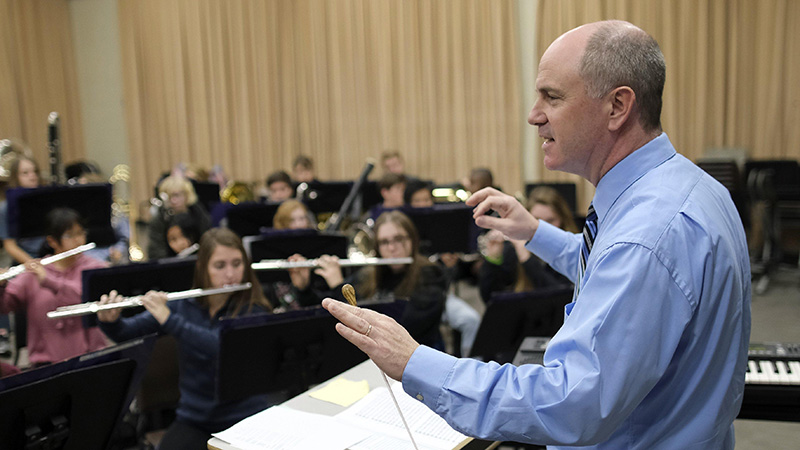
{"points": [[653, 349]]}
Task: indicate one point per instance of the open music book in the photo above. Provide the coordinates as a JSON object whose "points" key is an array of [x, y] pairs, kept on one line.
{"points": [[371, 423]]}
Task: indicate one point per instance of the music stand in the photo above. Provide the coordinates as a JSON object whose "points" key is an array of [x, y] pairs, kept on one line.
{"points": [[74, 404], [281, 244], [326, 197], [288, 352], [28, 208], [166, 275], [250, 218], [510, 317], [207, 193], [370, 195], [445, 228]]}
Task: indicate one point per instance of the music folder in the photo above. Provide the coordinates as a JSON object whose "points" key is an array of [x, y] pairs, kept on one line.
{"points": [[165, 275], [445, 228], [287, 352], [74, 404], [281, 244], [248, 218]]}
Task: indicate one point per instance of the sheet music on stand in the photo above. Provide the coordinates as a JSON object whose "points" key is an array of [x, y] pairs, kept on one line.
{"points": [[376, 412], [371, 423]]}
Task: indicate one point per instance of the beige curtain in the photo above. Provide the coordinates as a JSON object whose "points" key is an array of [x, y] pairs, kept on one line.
{"points": [[733, 69], [38, 76], [250, 84]]}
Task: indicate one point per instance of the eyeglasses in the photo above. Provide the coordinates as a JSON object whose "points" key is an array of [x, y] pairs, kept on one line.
{"points": [[400, 239]]}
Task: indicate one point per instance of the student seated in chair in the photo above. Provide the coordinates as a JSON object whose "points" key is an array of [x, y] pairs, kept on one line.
{"points": [[221, 260]]}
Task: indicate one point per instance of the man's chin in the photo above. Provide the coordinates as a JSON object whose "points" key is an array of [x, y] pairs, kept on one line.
{"points": [[552, 163]]}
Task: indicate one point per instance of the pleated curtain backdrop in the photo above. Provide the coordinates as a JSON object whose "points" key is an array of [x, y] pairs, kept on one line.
{"points": [[250, 84], [733, 70], [38, 76]]}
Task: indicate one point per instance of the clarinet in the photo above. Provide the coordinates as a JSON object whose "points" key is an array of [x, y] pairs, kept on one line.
{"points": [[54, 148]]}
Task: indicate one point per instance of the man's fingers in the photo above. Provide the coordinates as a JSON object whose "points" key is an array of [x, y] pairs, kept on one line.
{"points": [[481, 195], [353, 317], [492, 222]]}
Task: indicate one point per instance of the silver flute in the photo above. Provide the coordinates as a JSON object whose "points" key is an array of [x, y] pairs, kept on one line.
{"points": [[83, 309], [16, 270], [282, 264]]}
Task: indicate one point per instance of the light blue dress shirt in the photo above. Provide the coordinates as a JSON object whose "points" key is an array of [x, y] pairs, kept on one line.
{"points": [[653, 350]]}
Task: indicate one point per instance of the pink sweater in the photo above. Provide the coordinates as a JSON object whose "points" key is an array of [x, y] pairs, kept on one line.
{"points": [[53, 340]]}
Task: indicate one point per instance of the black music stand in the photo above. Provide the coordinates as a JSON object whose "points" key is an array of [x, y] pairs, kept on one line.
{"points": [[250, 218], [445, 228], [27, 209], [167, 275], [371, 195], [286, 352], [326, 196], [74, 404], [281, 244], [207, 193], [511, 317]]}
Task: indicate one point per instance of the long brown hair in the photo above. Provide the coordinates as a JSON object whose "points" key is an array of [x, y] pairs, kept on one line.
{"points": [[239, 300], [373, 275], [547, 196]]}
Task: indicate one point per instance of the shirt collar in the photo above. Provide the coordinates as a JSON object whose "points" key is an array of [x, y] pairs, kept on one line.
{"points": [[630, 169]]}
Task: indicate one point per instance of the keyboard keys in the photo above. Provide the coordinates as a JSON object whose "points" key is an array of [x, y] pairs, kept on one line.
{"points": [[767, 371]]}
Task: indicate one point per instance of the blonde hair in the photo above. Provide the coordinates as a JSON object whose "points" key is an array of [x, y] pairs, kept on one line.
{"points": [[178, 183], [283, 215]]}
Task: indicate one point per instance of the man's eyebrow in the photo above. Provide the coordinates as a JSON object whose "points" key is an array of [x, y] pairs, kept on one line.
{"points": [[549, 90]]}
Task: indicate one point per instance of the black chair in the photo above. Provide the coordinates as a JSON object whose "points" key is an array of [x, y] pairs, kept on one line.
{"points": [[159, 393], [728, 174], [774, 185]]}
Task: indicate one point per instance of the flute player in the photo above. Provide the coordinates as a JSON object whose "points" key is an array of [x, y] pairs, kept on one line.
{"points": [[221, 261], [653, 350], [43, 288]]}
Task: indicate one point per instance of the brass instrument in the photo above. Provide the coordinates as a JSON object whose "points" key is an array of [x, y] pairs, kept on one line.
{"points": [[83, 309], [449, 194], [282, 264], [16, 270], [236, 192]]}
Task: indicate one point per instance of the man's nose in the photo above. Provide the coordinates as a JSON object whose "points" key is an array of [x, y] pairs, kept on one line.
{"points": [[537, 117]]}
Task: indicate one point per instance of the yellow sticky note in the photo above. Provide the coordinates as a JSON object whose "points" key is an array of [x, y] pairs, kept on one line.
{"points": [[342, 392]]}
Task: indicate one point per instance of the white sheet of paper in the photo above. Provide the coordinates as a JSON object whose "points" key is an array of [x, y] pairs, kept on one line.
{"points": [[283, 428], [377, 413]]}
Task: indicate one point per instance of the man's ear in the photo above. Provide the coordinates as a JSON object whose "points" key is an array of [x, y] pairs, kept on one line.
{"points": [[622, 100]]}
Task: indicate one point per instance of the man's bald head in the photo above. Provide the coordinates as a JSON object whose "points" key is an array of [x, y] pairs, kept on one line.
{"points": [[618, 53]]}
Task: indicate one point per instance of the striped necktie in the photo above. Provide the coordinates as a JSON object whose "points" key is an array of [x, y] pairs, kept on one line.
{"points": [[589, 233]]}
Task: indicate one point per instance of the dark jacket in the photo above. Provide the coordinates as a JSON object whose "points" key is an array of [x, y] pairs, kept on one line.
{"points": [[423, 313], [502, 277]]}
